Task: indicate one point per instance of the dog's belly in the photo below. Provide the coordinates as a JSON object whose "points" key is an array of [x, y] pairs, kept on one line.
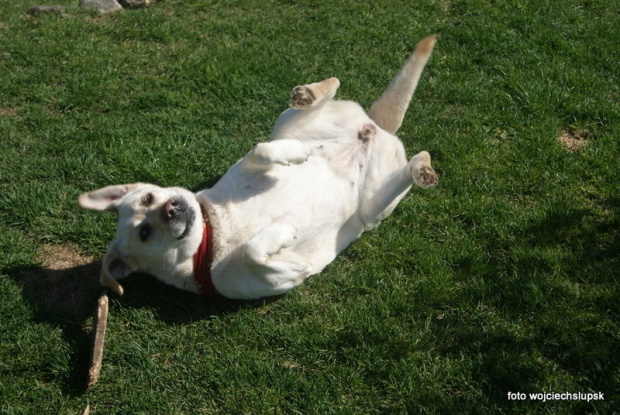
{"points": [[320, 201]]}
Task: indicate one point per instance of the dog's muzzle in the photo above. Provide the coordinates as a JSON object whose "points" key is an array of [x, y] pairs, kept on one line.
{"points": [[179, 216]]}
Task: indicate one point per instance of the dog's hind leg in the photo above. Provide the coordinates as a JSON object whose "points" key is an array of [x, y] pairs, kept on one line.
{"points": [[283, 149], [267, 255], [382, 192], [312, 95], [306, 104]]}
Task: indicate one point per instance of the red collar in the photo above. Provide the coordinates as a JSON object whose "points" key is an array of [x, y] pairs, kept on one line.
{"points": [[202, 264]]}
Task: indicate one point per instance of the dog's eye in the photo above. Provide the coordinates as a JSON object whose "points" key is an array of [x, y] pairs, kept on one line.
{"points": [[145, 232], [147, 200]]}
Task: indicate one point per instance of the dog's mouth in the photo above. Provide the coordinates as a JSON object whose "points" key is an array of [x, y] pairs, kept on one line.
{"points": [[189, 222]]}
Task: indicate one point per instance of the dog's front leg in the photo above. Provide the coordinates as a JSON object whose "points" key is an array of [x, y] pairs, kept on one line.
{"points": [[281, 152], [267, 254]]}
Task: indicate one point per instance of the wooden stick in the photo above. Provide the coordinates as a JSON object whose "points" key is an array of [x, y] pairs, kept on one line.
{"points": [[97, 352]]}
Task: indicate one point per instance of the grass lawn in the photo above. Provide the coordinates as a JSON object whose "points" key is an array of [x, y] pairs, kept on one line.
{"points": [[505, 278]]}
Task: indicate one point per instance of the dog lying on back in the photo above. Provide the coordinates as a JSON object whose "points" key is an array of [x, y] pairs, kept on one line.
{"points": [[283, 212]]}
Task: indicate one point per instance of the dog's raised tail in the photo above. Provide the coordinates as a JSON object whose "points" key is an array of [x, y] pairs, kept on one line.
{"points": [[389, 110]]}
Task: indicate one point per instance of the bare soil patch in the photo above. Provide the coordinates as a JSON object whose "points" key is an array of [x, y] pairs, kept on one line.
{"points": [[573, 139], [9, 111], [59, 257]]}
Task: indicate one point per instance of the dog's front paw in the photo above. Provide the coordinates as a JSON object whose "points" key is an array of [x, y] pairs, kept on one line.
{"points": [[299, 153], [289, 152], [269, 241], [283, 235], [302, 97]]}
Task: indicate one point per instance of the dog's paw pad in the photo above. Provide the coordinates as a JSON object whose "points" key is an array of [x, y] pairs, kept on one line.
{"points": [[302, 97], [367, 132], [425, 177]]}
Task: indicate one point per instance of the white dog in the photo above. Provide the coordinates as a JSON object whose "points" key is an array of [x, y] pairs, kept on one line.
{"points": [[284, 211]]}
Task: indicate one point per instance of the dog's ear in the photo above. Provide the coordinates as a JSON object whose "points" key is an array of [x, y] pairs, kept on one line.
{"points": [[114, 267], [106, 198]]}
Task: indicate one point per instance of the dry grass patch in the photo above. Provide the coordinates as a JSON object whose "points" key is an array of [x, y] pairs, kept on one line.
{"points": [[61, 257], [573, 139], [9, 111]]}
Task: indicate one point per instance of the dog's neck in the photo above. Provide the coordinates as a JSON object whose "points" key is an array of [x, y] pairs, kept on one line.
{"points": [[203, 259], [203, 211]]}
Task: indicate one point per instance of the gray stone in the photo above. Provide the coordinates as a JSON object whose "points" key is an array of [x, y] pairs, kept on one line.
{"points": [[136, 4], [103, 6], [46, 9]]}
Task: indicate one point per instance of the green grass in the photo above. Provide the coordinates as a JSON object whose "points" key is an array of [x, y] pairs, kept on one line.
{"points": [[503, 279]]}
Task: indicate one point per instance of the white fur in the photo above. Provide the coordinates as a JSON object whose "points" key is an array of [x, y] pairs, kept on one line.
{"points": [[284, 211]]}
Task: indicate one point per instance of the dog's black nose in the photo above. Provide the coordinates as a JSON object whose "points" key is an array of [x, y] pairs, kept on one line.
{"points": [[173, 208]]}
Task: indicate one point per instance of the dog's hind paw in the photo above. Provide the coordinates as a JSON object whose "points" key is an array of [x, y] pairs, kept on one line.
{"points": [[422, 172], [426, 177], [302, 97], [312, 95]]}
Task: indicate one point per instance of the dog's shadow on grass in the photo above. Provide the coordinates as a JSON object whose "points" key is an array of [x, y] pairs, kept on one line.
{"points": [[564, 309], [66, 297]]}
